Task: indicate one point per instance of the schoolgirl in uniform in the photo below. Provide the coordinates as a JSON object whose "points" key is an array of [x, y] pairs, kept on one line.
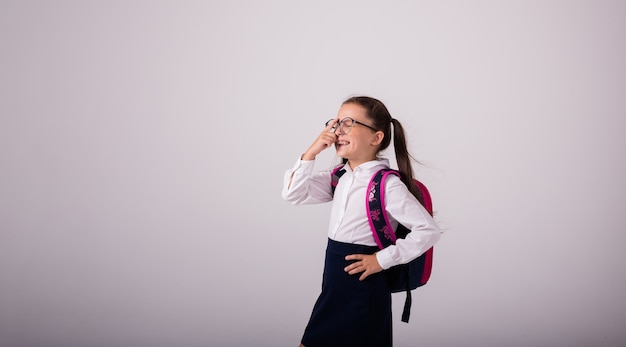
{"points": [[354, 307]]}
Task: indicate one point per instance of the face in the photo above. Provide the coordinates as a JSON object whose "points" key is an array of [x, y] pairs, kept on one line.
{"points": [[361, 143]]}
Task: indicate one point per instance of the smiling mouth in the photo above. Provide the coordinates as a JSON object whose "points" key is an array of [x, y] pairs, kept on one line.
{"points": [[341, 143]]}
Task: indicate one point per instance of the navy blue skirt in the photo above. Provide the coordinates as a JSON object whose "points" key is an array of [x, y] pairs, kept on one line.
{"points": [[349, 312]]}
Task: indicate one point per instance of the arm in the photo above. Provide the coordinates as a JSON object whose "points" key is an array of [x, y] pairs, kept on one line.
{"points": [[300, 185]]}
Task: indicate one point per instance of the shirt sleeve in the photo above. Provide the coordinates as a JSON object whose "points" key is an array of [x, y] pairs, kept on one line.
{"points": [[302, 186], [402, 207]]}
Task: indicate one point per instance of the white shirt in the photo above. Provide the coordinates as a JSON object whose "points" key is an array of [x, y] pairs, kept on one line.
{"points": [[348, 218]]}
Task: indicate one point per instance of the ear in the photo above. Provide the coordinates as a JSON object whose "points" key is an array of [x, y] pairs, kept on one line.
{"points": [[378, 138]]}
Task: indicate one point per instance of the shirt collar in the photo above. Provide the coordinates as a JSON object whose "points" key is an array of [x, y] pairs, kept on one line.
{"points": [[370, 166]]}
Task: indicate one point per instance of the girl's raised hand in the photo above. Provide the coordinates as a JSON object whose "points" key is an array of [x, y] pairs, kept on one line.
{"points": [[325, 139]]}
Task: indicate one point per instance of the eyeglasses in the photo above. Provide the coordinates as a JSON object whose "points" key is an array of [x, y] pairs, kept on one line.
{"points": [[346, 124]]}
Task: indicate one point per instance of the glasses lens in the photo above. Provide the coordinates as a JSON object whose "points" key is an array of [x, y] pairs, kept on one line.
{"points": [[346, 125]]}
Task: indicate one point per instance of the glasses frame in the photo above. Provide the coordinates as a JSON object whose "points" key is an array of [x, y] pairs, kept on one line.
{"points": [[341, 126]]}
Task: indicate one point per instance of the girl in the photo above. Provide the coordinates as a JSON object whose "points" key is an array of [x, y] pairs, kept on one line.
{"points": [[354, 307]]}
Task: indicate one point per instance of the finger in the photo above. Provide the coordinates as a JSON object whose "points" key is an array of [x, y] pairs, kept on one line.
{"points": [[364, 275], [351, 268], [329, 138], [331, 126], [356, 270], [355, 257]]}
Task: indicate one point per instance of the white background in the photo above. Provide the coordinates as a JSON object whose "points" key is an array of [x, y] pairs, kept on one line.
{"points": [[143, 145]]}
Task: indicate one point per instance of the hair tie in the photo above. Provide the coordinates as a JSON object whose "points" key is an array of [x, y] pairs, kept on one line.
{"points": [[393, 120]]}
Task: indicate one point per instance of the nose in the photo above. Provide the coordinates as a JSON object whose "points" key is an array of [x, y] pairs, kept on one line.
{"points": [[338, 129]]}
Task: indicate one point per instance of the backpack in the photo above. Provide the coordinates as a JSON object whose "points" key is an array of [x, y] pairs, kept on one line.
{"points": [[403, 277]]}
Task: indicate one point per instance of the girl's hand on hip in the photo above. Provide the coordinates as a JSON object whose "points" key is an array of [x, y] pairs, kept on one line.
{"points": [[325, 139], [365, 263]]}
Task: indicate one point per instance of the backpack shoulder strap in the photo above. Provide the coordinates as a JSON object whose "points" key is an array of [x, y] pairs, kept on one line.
{"points": [[335, 175], [376, 213]]}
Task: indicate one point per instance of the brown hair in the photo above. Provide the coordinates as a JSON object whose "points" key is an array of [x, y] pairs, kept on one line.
{"points": [[382, 120]]}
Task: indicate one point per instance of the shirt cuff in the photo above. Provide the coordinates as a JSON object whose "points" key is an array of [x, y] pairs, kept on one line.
{"points": [[384, 258]]}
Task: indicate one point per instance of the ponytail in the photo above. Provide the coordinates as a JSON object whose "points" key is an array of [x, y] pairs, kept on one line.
{"points": [[403, 158]]}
